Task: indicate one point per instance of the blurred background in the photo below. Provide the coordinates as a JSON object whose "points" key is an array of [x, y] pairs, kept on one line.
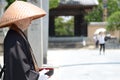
{"points": [[70, 27]]}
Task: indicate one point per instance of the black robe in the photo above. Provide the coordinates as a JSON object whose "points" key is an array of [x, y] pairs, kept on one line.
{"points": [[17, 58]]}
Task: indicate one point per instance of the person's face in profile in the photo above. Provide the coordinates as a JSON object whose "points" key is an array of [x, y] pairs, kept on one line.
{"points": [[23, 24]]}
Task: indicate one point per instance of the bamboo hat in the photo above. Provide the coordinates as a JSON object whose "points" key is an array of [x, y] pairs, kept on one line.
{"points": [[19, 10]]}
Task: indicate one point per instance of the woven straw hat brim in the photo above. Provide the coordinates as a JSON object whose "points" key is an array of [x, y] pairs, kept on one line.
{"points": [[20, 10]]}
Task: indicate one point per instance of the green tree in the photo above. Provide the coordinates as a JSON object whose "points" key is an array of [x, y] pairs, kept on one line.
{"points": [[114, 22], [96, 15], [53, 3], [64, 28], [113, 6], [69, 26]]}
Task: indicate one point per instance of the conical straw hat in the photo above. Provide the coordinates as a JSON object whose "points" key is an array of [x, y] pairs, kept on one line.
{"points": [[19, 10]]}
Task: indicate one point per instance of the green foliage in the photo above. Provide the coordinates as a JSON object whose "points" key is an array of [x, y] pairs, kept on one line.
{"points": [[112, 7], [53, 3], [114, 21], [96, 15], [64, 28]]}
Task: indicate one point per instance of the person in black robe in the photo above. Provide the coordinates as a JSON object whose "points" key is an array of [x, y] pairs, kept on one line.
{"points": [[18, 58]]}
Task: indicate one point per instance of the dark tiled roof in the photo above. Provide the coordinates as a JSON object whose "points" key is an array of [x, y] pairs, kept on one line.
{"points": [[79, 2]]}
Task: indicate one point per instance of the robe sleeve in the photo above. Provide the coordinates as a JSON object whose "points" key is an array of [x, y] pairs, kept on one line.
{"points": [[20, 55]]}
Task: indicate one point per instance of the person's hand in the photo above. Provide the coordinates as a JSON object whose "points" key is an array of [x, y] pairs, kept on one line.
{"points": [[49, 73], [42, 75]]}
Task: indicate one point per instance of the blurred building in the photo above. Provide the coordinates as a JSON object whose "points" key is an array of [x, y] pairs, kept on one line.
{"points": [[76, 8]]}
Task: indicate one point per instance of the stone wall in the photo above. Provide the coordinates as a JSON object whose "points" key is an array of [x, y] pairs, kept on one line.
{"points": [[93, 26]]}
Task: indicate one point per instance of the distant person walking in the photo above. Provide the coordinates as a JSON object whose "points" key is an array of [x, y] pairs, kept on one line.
{"points": [[101, 38]]}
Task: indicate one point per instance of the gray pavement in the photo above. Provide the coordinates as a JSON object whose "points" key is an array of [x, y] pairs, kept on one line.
{"points": [[85, 64]]}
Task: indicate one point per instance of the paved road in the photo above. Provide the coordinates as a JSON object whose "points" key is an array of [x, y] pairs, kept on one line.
{"points": [[85, 64]]}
